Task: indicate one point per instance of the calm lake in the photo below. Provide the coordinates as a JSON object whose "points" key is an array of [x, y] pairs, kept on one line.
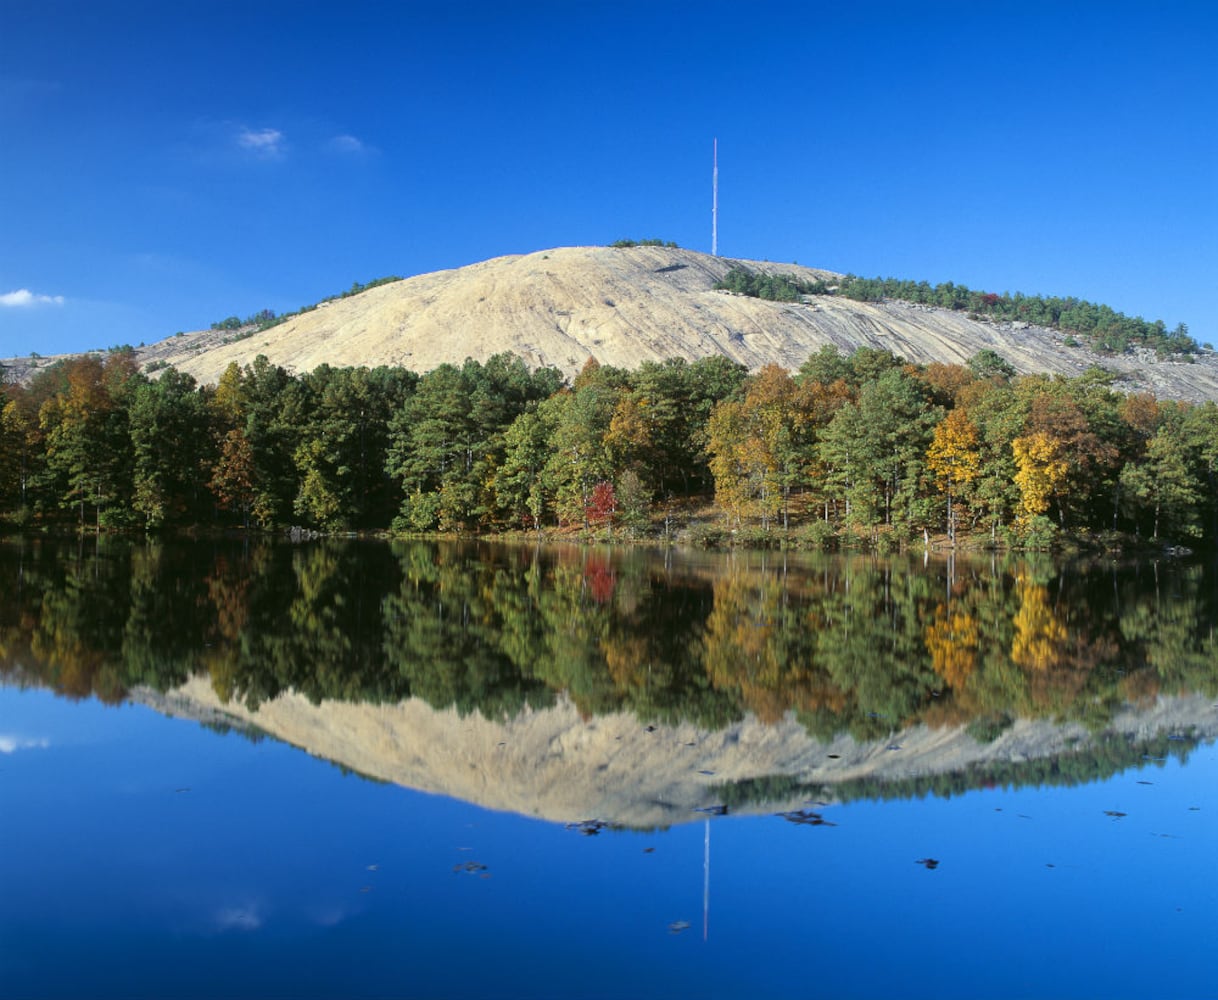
{"points": [[353, 769]]}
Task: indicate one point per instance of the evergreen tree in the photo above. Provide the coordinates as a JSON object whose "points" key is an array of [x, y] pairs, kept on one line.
{"points": [[171, 439]]}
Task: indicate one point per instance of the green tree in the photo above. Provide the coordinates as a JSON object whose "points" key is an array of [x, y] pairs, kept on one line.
{"points": [[826, 366], [259, 415], [874, 451], [448, 439], [845, 457], [341, 459], [1201, 430], [88, 444], [275, 417], [999, 415], [988, 364], [171, 440], [580, 458], [633, 503], [1164, 482], [521, 488]]}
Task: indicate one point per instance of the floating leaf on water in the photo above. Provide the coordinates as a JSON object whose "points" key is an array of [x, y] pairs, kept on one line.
{"points": [[930, 864], [469, 868], [677, 926]]}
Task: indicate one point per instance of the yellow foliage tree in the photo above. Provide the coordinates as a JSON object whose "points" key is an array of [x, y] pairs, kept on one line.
{"points": [[954, 459], [630, 439], [727, 436], [756, 446], [1040, 472]]}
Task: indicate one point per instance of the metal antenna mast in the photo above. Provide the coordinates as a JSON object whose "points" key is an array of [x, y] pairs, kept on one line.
{"points": [[715, 203]]}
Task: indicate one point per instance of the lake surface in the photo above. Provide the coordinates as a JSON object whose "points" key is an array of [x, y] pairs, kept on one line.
{"points": [[355, 769]]}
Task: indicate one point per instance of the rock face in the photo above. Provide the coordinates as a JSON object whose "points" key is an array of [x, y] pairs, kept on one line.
{"points": [[555, 765], [626, 305]]}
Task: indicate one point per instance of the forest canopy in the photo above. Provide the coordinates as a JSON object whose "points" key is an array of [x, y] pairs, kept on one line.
{"points": [[864, 449]]}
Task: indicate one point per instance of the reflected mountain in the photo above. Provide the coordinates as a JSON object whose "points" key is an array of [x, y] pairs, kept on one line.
{"points": [[556, 764], [629, 686]]}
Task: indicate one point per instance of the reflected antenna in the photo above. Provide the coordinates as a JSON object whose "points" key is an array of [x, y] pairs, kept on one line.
{"points": [[706, 884]]}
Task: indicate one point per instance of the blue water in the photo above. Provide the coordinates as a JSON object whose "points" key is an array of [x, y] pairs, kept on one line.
{"points": [[143, 856]]}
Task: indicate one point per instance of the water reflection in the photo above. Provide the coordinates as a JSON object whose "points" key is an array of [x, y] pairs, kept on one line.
{"points": [[875, 676]]}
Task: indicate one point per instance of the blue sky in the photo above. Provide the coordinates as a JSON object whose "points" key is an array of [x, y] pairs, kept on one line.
{"points": [[164, 165]]}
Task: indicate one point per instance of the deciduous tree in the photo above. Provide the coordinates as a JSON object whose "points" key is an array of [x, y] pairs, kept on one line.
{"points": [[954, 460]]}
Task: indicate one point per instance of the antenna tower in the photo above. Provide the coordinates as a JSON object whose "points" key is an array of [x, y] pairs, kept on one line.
{"points": [[715, 202]]}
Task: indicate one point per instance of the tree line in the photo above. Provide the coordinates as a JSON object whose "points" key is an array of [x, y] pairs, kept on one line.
{"points": [[1101, 326], [864, 449], [775, 287], [264, 319]]}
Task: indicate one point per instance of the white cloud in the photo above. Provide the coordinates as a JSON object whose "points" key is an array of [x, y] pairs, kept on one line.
{"points": [[347, 144], [267, 142], [11, 744], [23, 298]]}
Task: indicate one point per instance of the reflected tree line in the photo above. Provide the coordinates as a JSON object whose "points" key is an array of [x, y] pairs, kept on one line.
{"points": [[863, 644]]}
